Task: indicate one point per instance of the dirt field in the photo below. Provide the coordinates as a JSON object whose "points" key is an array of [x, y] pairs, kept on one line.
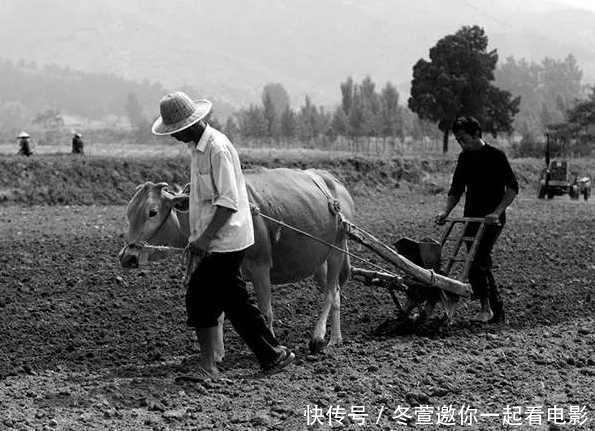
{"points": [[86, 345]]}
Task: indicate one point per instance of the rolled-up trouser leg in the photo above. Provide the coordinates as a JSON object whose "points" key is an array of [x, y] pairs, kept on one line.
{"points": [[244, 315], [217, 286]]}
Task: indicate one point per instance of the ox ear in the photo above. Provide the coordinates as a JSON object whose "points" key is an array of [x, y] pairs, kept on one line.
{"points": [[162, 186], [179, 202]]}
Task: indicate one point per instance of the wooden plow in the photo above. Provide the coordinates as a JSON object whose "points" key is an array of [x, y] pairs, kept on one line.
{"points": [[430, 278]]}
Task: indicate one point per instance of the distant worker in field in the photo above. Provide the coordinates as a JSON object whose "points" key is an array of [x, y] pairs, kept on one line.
{"points": [[25, 145], [77, 144], [490, 186], [221, 230]]}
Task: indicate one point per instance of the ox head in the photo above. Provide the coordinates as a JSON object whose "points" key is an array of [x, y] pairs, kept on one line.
{"points": [[149, 212]]}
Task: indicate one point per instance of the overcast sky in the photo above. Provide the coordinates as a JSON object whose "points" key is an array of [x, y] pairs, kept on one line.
{"points": [[584, 4], [307, 45]]}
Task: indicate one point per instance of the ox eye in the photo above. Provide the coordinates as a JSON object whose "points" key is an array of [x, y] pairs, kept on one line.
{"points": [[152, 213]]}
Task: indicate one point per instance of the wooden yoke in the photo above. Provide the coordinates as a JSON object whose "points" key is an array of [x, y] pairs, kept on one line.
{"points": [[424, 275]]}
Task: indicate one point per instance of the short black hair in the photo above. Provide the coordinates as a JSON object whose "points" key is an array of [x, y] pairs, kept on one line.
{"points": [[467, 124]]}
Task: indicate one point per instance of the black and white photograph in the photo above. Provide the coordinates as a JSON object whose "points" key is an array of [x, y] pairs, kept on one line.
{"points": [[297, 215]]}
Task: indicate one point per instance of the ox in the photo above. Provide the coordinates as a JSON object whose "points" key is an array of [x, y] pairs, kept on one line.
{"points": [[302, 199]]}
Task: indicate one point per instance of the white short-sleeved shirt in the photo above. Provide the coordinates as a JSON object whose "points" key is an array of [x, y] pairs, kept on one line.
{"points": [[217, 180]]}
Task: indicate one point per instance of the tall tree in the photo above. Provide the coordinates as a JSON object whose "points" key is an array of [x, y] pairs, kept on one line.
{"points": [[307, 120], [270, 116], [457, 81], [356, 115], [370, 107], [288, 123], [347, 90], [339, 122], [278, 95], [390, 116], [275, 100]]}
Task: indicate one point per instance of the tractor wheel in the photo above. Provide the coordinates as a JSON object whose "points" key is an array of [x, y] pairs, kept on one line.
{"points": [[586, 194], [550, 195]]}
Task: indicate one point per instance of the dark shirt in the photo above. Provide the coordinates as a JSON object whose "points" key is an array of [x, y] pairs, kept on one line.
{"points": [[25, 147], [484, 175], [77, 145]]}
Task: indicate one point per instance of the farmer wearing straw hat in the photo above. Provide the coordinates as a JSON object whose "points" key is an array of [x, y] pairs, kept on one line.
{"points": [[25, 147], [220, 232]]}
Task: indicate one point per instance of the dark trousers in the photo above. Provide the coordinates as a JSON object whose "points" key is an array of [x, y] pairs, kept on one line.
{"points": [[217, 286], [25, 150], [481, 277]]}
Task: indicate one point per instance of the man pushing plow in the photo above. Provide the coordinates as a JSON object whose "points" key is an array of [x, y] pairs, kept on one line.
{"points": [[490, 186]]}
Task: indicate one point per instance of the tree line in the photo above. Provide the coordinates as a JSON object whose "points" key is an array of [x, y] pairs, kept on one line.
{"points": [[363, 112]]}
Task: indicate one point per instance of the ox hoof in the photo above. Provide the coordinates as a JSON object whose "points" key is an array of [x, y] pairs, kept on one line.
{"points": [[317, 345], [335, 342]]}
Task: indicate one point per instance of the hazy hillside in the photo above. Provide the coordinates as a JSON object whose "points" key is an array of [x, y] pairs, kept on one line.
{"points": [[232, 48]]}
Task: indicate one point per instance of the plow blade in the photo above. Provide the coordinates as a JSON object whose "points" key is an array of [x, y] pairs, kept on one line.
{"points": [[378, 278]]}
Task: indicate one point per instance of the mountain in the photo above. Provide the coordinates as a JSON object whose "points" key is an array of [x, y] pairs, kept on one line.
{"points": [[231, 49]]}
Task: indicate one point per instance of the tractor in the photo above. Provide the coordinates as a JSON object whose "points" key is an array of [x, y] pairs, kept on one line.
{"points": [[557, 178]]}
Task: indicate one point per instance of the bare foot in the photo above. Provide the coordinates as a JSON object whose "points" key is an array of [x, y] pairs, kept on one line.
{"points": [[483, 316], [200, 375], [208, 371]]}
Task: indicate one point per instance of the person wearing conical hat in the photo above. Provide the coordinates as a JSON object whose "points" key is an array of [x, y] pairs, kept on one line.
{"points": [[77, 143], [220, 232], [25, 147]]}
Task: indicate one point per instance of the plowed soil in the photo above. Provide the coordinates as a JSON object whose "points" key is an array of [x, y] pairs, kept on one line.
{"points": [[85, 344]]}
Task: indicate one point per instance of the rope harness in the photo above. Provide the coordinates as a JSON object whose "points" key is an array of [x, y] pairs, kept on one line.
{"points": [[334, 206], [256, 211]]}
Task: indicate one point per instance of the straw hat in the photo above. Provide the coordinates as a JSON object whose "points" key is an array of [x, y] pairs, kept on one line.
{"points": [[179, 112], [23, 135]]}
